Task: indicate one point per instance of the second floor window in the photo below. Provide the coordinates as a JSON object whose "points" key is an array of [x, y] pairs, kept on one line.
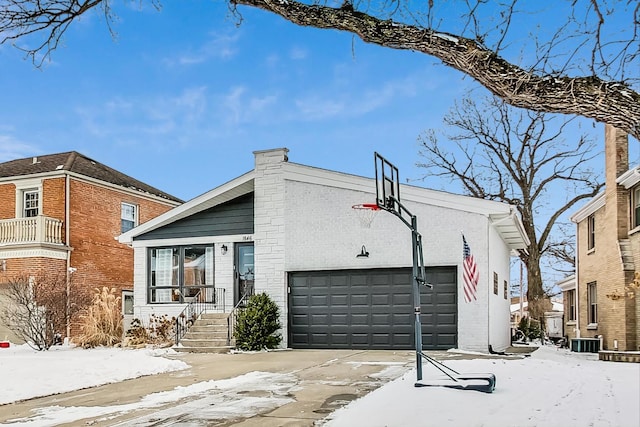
{"points": [[591, 231], [128, 217], [31, 203]]}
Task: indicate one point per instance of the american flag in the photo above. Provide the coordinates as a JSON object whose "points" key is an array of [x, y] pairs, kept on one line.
{"points": [[469, 272]]}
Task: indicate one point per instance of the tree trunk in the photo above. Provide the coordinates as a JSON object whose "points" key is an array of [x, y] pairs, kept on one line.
{"points": [[614, 103], [537, 300]]}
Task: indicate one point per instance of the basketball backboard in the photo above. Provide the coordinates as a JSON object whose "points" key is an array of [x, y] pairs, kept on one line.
{"points": [[387, 184]]}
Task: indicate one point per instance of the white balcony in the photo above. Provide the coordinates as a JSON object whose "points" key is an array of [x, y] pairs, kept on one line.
{"points": [[38, 229]]}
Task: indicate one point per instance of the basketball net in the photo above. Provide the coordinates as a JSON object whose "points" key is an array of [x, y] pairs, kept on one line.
{"points": [[366, 213]]}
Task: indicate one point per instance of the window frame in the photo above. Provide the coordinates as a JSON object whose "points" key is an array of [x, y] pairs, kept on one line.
{"points": [[178, 291], [591, 232], [571, 305], [592, 303], [635, 207], [26, 203], [133, 222]]}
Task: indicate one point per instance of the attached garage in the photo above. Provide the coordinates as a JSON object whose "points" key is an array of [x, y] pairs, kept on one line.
{"points": [[371, 309]]}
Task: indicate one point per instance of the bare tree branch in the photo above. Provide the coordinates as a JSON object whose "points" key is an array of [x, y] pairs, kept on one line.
{"points": [[580, 68], [612, 102], [517, 157]]}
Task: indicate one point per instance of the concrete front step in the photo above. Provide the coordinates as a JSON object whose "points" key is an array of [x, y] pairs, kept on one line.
{"points": [[211, 322], [222, 349], [209, 334], [203, 342]]}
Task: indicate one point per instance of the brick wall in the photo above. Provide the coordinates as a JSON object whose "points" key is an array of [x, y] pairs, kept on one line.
{"points": [[95, 211], [7, 201], [603, 264], [269, 231], [32, 266]]}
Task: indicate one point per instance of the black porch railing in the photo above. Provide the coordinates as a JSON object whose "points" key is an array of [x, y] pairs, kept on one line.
{"points": [[249, 290], [195, 307]]}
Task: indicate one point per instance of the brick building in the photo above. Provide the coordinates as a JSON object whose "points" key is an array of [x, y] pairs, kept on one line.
{"points": [[60, 214], [289, 230], [606, 302]]}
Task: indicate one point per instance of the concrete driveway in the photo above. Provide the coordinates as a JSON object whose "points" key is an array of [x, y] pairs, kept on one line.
{"points": [[293, 388], [318, 382]]}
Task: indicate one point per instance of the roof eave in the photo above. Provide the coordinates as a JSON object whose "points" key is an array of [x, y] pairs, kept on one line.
{"points": [[511, 230]]}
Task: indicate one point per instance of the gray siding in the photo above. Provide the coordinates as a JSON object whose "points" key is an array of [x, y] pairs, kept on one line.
{"points": [[233, 217]]}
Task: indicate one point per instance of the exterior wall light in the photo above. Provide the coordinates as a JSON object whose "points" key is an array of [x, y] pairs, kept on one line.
{"points": [[363, 253]]}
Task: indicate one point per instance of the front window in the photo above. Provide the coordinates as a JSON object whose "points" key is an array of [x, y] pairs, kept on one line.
{"points": [[31, 203], [635, 208], [571, 305], [591, 232], [128, 217], [592, 302], [181, 274]]}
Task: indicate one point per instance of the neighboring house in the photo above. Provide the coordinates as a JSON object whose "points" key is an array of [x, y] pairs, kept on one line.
{"points": [[60, 214], [518, 311], [289, 230], [569, 299], [608, 253]]}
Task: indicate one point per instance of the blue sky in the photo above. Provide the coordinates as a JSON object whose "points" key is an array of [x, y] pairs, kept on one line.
{"points": [[182, 97]]}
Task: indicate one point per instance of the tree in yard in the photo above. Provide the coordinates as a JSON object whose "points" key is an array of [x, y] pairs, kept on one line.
{"points": [[41, 306], [577, 57], [518, 157]]}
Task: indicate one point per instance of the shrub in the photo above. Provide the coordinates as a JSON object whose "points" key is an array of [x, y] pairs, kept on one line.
{"points": [[257, 324], [101, 325], [161, 330], [530, 328], [40, 307], [138, 333]]}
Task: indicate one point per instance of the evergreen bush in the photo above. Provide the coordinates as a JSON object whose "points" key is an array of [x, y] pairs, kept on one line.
{"points": [[257, 324]]}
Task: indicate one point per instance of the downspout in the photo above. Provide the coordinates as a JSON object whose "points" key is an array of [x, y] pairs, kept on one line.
{"points": [[67, 241], [488, 289], [577, 281]]}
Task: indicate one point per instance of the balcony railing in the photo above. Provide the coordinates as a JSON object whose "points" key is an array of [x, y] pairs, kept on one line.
{"points": [[38, 229]]}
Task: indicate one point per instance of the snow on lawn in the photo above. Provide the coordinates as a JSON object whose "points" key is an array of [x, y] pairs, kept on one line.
{"points": [[27, 373], [551, 388]]}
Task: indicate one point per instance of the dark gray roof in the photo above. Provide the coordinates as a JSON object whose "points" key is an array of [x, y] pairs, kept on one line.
{"points": [[73, 161]]}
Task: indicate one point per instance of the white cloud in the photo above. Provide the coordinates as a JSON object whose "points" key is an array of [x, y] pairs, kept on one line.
{"points": [[356, 102], [240, 107], [12, 148], [219, 46], [298, 53]]}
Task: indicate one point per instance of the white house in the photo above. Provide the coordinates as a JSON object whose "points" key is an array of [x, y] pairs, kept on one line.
{"points": [[290, 231]]}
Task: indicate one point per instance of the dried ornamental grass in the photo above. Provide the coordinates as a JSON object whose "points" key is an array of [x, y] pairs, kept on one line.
{"points": [[101, 325]]}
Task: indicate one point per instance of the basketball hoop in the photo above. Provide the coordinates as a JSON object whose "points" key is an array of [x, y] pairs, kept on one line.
{"points": [[366, 212]]}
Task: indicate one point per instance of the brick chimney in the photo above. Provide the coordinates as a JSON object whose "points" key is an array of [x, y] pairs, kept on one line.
{"points": [[616, 151]]}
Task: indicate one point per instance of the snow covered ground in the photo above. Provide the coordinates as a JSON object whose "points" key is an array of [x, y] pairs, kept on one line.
{"points": [[551, 388]]}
